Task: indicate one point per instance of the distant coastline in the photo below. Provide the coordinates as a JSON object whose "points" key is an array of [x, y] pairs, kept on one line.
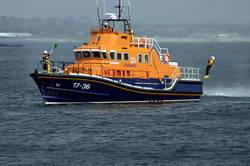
{"points": [[200, 39], [4, 41], [77, 30]]}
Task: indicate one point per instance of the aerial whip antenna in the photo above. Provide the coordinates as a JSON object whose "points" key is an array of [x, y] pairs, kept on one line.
{"points": [[98, 12], [53, 48], [129, 3], [120, 10], [104, 6], [129, 9], [123, 5]]}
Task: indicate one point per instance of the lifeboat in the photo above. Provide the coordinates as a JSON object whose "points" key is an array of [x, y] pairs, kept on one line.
{"points": [[116, 66]]}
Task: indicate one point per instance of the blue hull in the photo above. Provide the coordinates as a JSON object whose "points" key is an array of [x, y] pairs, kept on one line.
{"points": [[60, 89]]}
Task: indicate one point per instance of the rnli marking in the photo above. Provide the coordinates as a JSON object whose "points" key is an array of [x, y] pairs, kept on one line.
{"points": [[82, 86]]}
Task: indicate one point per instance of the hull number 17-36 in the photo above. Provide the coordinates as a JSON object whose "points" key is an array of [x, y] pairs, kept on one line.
{"points": [[82, 86]]}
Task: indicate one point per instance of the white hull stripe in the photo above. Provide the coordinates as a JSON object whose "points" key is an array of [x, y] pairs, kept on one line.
{"points": [[69, 90]]}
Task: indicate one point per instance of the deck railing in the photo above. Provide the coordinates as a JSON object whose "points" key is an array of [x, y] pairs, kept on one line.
{"points": [[70, 67], [145, 42], [60, 67], [94, 69], [55, 66], [190, 73]]}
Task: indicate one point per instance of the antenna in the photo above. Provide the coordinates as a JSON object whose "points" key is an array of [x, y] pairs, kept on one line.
{"points": [[129, 6], [98, 12], [119, 9], [121, 6], [104, 6], [122, 16]]}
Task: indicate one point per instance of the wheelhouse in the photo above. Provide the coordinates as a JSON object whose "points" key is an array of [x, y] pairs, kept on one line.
{"points": [[90, 54]]}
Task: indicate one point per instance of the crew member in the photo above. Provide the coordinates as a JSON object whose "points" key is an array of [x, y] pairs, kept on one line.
{"points": [[46, 61], [210, 63], [107, 27]]}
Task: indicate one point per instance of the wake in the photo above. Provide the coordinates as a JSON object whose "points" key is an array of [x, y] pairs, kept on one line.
{"points": [[227, 92]]}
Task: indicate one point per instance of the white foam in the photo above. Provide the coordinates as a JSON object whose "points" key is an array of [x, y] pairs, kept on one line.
{"points": [[228, 92]]}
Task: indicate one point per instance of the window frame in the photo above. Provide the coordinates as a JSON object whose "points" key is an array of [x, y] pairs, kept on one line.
{"points": [[120, 56], [124, 56], [139, 58], [114, 55], [145, 55], [106, 55], [78, 55], [93, 55], [90, 54]]}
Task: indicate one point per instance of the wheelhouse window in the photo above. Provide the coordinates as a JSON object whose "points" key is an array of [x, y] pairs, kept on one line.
{"points": [[119, 56], [125, 56], [112, 55], [146, 58], [96, 54], [139, 58], [78, 55], [86, 54], [104, 55]]}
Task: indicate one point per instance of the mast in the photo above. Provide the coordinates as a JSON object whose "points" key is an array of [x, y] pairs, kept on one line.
{"points": [[119, 10], [114, 18], [98, 13]]}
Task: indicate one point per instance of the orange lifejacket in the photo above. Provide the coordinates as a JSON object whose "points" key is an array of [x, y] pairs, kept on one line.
{"points": [[210, 61]]}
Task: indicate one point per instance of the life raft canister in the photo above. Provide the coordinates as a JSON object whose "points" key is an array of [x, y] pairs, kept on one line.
{"points": [[166, 57]]}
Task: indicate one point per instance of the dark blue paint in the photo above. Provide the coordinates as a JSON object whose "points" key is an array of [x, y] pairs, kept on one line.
{"points": [[108, 91]]}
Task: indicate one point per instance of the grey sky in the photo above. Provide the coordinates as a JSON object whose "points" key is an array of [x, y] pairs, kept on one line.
{"points": [[155, 11]]}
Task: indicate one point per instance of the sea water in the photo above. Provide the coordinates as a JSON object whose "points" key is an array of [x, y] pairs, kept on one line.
{"points": [[214, 131]]}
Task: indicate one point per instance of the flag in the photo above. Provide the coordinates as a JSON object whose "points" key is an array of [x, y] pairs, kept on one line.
{"points": [[55, 45], [52, 50]]}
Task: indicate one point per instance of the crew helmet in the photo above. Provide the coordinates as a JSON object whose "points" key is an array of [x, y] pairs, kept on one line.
{"points": [[45, 52]]}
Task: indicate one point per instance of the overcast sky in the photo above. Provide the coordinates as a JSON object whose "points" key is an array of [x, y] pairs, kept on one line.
{"points": [[155, 11]]}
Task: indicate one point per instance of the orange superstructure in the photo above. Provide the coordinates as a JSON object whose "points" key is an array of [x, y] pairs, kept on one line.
{"points": [[111, 53]]}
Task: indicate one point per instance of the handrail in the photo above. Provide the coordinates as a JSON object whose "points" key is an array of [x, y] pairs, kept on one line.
{"points": [[149, 43], [190, 73], [98, 69], [173, 75], [59, 66]]}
